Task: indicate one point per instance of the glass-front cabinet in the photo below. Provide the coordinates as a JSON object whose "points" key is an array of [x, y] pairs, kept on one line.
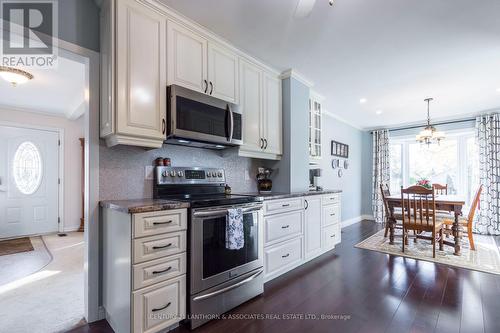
{"points": [[315, 110]]}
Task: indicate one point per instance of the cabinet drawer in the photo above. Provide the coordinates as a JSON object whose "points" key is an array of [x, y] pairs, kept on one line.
{"points": [[284, 255], [153, 223], [158, 270], [331, 199], [155, 247], [331, 215], [285, 205], [159, 306], [331, 236], [283, 226]]}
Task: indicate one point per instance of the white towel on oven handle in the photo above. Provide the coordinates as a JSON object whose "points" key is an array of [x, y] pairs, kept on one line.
{"points": [[235, 237]]}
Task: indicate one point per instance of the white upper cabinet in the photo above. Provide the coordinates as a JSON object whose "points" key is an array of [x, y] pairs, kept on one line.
{"points": [[272, 114], [187, 58], [203, 66], [260, 103], [315, 114], [145, 47], [251, 106], [140, 71], [222, 73]]}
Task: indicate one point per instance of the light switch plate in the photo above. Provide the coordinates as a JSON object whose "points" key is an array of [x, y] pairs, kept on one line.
{"points": [[149, 172]]}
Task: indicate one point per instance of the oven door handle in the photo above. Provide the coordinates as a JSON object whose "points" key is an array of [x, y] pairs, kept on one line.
{"points": [[223, 212], [228, 288]]}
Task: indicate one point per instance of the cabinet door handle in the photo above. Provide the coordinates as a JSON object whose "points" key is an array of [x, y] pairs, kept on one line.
{"points": [[162, 247], [261, 143], [286, 255], [162, 308], [332, 214], [285, 226], [206, 86], [265, 140], [163, 126], [166, 222], [332, 236], [162, 271], [211, 88], [307, 204], [285, 205]]}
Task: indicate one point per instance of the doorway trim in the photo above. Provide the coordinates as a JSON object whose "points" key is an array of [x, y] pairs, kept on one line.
{"points": [[60, 173], [91, 261]]}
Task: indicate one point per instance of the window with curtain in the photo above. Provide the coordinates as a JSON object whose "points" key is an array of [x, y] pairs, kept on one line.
{"points": [[454, 162]]}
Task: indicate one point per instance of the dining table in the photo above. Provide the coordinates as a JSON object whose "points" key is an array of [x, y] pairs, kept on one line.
{"points": [[444, 202]]}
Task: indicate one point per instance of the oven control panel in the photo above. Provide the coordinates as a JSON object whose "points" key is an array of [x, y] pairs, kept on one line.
{"points": [[188, 175]]}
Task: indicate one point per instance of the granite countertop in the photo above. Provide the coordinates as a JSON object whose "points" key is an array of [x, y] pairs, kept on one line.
{"points": [[284, 195], [142, 205], [152, 205]]}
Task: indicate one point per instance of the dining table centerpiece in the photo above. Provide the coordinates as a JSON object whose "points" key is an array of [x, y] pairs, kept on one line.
{"points": [[425, 183]]}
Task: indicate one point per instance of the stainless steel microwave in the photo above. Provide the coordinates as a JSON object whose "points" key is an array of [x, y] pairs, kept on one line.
{"points": [[199, 120]]}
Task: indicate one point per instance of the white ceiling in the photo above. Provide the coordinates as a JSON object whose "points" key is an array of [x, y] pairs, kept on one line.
{"points": [[394, 53], [59, 91]]}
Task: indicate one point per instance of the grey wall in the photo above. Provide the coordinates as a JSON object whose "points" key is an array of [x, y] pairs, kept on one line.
{"points": [[79, 23], [292, 170], [122, 169], [354, 180]]}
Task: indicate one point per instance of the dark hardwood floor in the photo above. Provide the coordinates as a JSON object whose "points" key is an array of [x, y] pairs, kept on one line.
{"points": [[375, 291]]}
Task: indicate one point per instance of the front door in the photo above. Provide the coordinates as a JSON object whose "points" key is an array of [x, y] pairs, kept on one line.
{"points": [[29, 181]]}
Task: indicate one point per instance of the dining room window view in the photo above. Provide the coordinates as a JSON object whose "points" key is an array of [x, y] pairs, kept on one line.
{"points": [[454, 162]]}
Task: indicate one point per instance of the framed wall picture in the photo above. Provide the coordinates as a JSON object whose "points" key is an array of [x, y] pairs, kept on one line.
{"points": [[339, 149]]}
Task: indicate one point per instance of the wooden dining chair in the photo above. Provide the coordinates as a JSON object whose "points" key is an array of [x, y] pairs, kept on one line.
{"points": [[386, 192], [466, 223], [419, 207], [440, 189]]}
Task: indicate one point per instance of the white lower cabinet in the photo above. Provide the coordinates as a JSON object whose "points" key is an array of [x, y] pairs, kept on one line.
{"points": [[281, 257], [330, 236], [144, 270], [312, 226], [159, 306], [299, 229]]}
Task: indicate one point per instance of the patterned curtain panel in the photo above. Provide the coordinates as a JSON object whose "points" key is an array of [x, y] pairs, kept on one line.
{"points": [[381, 171], [488, 138]]}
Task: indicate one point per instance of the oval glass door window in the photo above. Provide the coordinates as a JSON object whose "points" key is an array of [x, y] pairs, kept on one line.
{"points": [[27, 168]]}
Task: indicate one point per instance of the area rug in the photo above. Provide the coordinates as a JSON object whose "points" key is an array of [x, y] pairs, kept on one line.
{"points": [[486, 258], [12, 246]]}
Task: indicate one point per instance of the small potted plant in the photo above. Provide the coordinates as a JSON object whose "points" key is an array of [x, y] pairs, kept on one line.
{"points": [[425, 183]]}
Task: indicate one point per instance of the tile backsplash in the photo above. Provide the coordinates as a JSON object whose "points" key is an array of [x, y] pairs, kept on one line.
{"points": [[122, 168]]}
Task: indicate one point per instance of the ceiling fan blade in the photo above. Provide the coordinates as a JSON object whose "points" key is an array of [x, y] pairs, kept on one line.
{"points": [[304, 8]]}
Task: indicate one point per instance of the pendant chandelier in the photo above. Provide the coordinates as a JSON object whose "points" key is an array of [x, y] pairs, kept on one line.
{"points": [[429, 134]]}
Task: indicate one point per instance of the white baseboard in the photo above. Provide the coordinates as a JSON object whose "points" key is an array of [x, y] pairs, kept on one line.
{"points": [[72, 228], [355, 220]]}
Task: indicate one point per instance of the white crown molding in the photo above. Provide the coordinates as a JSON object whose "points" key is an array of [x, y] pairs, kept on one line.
{"points": [[329, 114], [297, 76], [317, 96]]}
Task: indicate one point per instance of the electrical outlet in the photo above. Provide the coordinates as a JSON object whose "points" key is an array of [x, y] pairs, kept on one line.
{"points": [[149, 172]]}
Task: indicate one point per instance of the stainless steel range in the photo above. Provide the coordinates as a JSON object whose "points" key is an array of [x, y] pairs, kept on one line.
{"points": [[219, 278]]}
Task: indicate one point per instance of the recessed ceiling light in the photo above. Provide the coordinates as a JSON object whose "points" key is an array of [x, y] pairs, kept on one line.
{"points": [[378, 112], [15, 76], [362, 100]]}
